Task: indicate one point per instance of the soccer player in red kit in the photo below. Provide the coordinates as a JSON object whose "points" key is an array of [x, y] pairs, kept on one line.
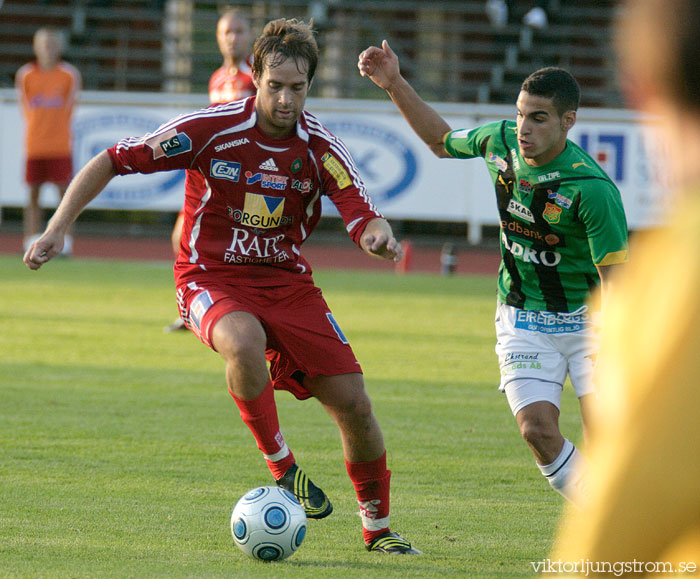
{"points": [[256, 170]]}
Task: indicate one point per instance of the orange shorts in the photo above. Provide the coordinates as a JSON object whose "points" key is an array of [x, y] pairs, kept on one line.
{"points": [[303, 338], [58, 171]]}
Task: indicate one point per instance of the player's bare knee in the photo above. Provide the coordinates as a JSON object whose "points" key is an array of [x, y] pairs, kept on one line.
{"points": [[538, 433], [360, 407], [238, 345], [354, 412], [242, 349]]}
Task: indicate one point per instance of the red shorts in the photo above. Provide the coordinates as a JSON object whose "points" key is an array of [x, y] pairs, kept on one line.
{"points": [[58, 171], [303, 338]]}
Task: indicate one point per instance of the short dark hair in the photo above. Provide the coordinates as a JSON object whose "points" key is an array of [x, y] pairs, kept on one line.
{"points": [[556, 84], [234, 14], [282, 39]]}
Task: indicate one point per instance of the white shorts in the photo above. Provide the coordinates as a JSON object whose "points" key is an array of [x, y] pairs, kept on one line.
{"points": [[536, 351]]}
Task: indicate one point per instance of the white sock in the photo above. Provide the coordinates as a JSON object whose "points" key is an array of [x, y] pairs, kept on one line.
{"points": [[565, 474]]}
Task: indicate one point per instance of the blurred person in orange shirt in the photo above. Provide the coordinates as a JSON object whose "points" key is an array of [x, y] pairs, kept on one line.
{"points": [[47, 90]]}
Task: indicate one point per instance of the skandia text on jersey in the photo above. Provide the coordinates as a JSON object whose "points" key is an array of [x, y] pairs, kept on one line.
{"points": [[230, 144], [529, 255]]}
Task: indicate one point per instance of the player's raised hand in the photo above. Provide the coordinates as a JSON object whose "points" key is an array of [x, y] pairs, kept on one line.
{"points": [[43, 249], [381, 65]]}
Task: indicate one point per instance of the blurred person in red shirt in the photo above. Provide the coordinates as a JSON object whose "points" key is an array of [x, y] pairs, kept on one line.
{"points": [[230, 82]]}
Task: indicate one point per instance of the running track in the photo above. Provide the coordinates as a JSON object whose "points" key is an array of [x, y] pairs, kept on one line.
{"points": [[340, 255]]}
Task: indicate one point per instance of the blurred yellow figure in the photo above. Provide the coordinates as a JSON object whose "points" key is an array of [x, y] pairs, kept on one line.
{"points": [[643, 514]]}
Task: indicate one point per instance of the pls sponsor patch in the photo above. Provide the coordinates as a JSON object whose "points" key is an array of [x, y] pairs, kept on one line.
{"points": [[169, 144], [335, 168]]}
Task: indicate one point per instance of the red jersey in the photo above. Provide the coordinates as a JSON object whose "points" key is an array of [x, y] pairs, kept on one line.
{"points": [[250, 200], [226, 86]]}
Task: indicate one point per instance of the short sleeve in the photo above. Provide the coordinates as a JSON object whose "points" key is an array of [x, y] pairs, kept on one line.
{"points": [[169, 147], [469, 143], [603, 214]]}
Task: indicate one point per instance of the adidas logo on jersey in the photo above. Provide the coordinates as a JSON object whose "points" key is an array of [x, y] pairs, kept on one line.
{"points": [[269, 165]]}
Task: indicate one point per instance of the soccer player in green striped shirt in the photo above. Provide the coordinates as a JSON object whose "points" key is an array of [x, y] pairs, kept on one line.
{"points": [[563, 231]]}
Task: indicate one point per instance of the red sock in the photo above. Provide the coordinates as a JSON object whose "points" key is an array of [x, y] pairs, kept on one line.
{"points": [[371, 482], [260, 414]]}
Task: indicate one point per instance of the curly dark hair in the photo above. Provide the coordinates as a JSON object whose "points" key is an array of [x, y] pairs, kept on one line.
{"points": [[282, 39]]}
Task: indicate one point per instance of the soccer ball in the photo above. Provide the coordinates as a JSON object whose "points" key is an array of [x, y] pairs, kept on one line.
{"points": [[268, 523]]}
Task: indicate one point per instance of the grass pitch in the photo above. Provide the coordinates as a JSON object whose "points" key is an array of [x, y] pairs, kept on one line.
{"points": [[123, 454]]}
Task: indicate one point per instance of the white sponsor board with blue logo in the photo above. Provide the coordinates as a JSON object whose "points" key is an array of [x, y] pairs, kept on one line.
{"points": [[402, 180], [97, 128], [403, 177]]}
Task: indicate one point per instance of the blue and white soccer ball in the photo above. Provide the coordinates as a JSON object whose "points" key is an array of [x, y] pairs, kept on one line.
{"points": [[268, 523]]}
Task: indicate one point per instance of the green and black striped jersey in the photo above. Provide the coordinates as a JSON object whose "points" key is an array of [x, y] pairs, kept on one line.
{"points": [[558, 221]]}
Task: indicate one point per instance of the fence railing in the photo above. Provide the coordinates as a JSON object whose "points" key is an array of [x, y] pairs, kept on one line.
{"points": [[448, 49]]}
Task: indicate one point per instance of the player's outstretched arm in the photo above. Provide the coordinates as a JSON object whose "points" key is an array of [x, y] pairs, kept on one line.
{"points": [[378, 239], [86, 185], [381, 65]]}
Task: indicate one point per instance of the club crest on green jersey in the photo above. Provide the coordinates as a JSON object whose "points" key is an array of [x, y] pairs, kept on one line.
{"points": [[551, 213]]}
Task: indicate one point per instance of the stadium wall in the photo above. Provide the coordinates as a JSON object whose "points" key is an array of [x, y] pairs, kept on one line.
{"points": [[406, 181]]}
